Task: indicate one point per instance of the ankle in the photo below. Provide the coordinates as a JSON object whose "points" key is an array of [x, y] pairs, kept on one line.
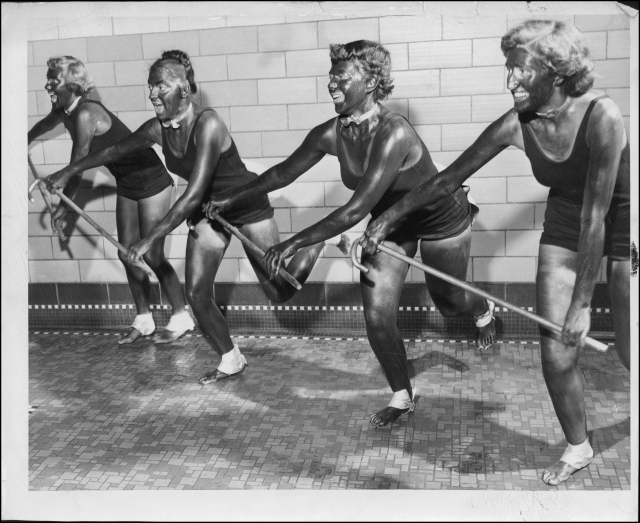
{"points": [[232, 355]]}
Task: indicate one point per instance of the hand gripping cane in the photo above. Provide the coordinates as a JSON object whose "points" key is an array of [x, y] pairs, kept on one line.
{"points": [[141, 264], [594, 344], [47, 200], [253, 248]]}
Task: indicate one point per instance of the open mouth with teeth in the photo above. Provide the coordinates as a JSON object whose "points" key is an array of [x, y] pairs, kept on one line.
{"points": [[519, 97], [53, 98], [337, 97]]}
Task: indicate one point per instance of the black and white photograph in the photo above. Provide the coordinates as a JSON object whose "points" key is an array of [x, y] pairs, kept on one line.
{"points": [[378, 259]]}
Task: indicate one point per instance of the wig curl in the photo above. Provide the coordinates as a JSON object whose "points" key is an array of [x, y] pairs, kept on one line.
{"points": [[181, 58], [561, 47], [75, 74], [371, 59]]}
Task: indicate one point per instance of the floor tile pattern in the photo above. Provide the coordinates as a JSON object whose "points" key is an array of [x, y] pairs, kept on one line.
{"points": [[109, 417]]}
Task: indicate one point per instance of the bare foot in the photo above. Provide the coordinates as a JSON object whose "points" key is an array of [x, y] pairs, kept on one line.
{"points": [[559, 472], [130, 337], [345, 244], [386, 416], [485, 336], [168, 337], [399, 405], [217, 375], [486, 327]]}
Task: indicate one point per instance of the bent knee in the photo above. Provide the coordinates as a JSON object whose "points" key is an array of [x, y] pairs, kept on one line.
{"points": [[196, 296], [560, 360], [449, 307], [154, 260], [123, 257], [379, 320]]}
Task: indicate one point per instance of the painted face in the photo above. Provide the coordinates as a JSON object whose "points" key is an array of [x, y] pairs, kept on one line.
{"points": [[165, 92], [56, 86], [347, 87], [530, 82]]}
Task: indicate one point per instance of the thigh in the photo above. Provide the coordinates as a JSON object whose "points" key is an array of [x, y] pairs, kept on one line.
{"points": [[555, 281], [127, 222], [449, 255], [618, 279], [382, 284], [205, 250], [263, 234], [151, 210]]}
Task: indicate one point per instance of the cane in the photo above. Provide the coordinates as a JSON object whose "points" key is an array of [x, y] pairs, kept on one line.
{"points": [[141, 264], [253, 247], [47, 201], [594, 344]]}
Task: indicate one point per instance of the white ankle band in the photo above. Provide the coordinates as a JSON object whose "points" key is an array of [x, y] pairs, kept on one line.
{"points": [[180, 322], [233, 361], [402, 400], [485, 319], [578, 456], [144, 323]]}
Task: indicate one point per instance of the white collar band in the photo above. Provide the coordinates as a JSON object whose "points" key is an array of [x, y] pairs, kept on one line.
{"points": [[73, 105], [175, 123], [346, 121]]}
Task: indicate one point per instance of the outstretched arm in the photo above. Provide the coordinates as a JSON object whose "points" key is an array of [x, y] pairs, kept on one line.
{"points": [[388, 152], [144, 137], [209, 136], [606, 138], [316, 144], [86, 123], [45, 125], [494, 139]]}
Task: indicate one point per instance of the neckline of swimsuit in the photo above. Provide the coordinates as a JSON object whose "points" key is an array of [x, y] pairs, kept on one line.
{"points": [[585, 120]]}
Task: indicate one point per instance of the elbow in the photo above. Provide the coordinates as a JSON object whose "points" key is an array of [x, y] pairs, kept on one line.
{"points": [[352, 217], [191, 204]]}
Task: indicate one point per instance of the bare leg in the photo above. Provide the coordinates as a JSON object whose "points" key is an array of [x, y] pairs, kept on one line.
{"points": [[381, 288], [150, 213], [205, 250], [128, 227], [619, 289], [554, 286], [451, 255], [265, 234]]}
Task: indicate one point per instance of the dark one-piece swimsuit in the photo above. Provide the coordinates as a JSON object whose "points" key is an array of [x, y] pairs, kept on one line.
{"points": [[445, 218], [229, 173], [567, 180], [139, 175]]}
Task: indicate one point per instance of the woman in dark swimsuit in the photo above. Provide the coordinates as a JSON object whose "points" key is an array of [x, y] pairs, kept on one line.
{"points": [[198, 147], [381, 159], [577, 144], [143, 189]]}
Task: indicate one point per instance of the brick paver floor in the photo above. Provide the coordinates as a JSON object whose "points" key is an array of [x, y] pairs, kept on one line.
{"points": [[109, 417]]}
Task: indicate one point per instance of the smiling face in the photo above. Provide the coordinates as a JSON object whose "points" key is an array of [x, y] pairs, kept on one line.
{"points": [[530, 82], [347, 87], [56, 86], [165, 91]]}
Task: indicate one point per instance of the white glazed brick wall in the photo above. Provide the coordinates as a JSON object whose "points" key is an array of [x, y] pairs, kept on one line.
{"points": [[267, 77]]}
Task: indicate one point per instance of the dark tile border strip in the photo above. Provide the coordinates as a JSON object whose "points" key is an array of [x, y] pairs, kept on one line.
{"points": [[312, 294], [419, 322]]}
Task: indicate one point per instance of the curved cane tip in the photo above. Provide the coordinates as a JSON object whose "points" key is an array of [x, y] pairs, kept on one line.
{"points": [[597, 345], [354, 258], [32, 199]]}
